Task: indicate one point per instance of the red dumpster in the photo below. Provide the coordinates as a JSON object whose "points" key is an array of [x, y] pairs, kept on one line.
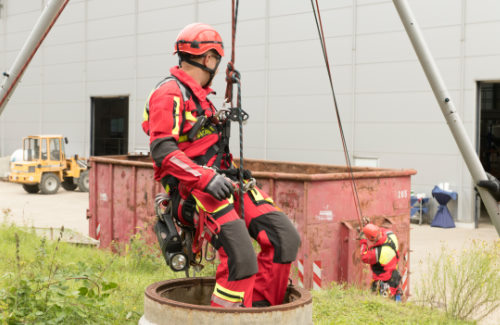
{"points": [[317, 198]]}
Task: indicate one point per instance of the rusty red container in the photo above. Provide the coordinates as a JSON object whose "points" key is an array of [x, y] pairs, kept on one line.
{"points": [[318, 199]]}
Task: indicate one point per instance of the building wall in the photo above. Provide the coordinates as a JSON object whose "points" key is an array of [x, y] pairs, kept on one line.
{"points": [[123, 47]]}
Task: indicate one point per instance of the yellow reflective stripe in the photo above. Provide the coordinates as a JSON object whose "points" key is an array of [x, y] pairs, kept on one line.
{"points": [[176, 115], [201, 133], [258, 196], [386, 255], [200, 205], [190, 117], [229, 295], [225, 303], [145, 113]]}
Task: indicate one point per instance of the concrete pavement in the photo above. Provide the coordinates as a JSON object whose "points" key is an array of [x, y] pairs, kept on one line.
{"points": [[64, 208]]}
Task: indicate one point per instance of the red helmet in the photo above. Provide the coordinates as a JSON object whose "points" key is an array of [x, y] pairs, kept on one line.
{"points": [[372, 232], [198, 38]]}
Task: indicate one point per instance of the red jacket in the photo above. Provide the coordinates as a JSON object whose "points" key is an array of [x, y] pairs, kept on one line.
{"points": [[383, 256], [168, 123]]}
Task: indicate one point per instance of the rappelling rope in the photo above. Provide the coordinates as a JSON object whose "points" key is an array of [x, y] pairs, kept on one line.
{"points": [[236, 114], [319, 26]]}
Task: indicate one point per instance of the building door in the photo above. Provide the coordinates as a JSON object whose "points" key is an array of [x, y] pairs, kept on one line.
{"points": [[488, 133], [109, 126], [489, 127]]}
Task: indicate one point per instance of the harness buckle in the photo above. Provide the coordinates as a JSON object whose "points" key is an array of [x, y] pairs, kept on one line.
{"points": [[250, 185]]}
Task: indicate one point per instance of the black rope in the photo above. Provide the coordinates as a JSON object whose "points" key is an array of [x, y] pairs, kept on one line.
{"points": [[319, 26], [236, 113]]}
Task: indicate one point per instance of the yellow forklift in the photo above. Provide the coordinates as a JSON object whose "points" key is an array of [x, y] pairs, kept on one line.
{"points": [[45, 166]]}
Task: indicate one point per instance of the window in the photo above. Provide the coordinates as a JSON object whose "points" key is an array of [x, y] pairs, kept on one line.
{"points": [[44, 149], [31, 149], [55, 151]]}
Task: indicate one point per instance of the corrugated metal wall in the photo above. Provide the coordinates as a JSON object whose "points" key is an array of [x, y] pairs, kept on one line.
{"points": [[123, 47]]}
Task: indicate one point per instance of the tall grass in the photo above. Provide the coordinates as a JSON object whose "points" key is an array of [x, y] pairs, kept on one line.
{"points": [[344, 305], [107, 288], [118, 282], [465, 284]]}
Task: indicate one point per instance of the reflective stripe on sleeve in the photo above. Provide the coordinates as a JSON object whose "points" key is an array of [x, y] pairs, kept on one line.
{"points": [[186, 167]]}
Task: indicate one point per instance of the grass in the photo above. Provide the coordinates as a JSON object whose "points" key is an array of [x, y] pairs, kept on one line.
{"points": [[139, 265], [350, 305]]}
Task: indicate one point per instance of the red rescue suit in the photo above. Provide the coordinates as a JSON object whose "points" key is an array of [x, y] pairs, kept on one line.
{"points": [[383, 258], [242, 278]]}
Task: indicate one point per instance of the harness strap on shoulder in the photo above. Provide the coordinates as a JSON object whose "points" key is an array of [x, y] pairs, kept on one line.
{"points": [[391, 244]]}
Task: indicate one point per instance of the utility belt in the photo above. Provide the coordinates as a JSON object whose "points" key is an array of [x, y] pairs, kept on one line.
{"points": [[183, 249], [383, 287]]}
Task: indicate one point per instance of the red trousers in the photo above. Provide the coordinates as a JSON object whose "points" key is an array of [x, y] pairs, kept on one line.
{"points": [[243, 277]]}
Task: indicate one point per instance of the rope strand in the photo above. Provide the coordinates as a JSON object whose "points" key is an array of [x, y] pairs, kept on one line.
{"points": [[319, 26], [237, 114]]}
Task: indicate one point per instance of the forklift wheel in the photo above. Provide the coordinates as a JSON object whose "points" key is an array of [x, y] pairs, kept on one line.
{"points": [[49, 184], [83, 181], [68, 184], [31, 188]]}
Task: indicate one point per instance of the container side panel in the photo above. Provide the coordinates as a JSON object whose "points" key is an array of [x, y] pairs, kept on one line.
{"points": [[330, 201], [123, 208], [104, 196], [145, 191], [384, 196], [92, 211], [323, 253]]}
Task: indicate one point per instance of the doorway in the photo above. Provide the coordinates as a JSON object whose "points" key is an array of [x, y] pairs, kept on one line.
{"points": [[109, 127], [488, 135], [489, 127]]}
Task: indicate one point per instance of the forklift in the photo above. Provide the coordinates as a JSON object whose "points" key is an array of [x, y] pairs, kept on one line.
{"points": [[45, 167]]}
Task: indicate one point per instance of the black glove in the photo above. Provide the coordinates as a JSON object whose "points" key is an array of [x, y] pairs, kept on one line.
{"points": [[220, 187], [492, 185]]}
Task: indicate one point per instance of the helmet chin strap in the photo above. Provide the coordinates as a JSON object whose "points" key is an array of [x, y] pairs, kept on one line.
{"points": [[205, 68]]}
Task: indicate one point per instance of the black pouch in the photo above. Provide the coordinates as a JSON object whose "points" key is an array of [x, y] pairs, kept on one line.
{"points": [[168, 238], [395, 279]]}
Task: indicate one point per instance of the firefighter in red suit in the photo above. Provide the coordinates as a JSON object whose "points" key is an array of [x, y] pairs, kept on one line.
{"points": [[383, 257], [189, 166]]}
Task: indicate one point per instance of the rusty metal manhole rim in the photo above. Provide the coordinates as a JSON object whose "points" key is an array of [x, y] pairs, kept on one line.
{"points": [[152, 293]]}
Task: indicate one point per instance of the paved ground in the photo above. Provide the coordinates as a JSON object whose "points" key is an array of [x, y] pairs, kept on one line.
{"points": [[69, 209], [37, 210]]}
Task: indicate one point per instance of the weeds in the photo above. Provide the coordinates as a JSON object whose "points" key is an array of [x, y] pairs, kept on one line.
{"points": [[45, 292], [343, 304], [466, 284]]}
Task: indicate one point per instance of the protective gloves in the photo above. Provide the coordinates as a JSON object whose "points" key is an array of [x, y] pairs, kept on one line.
{"points": [[492, 185], [220, 187]]}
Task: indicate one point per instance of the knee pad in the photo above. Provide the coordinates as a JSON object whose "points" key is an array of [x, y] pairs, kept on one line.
{"points": [[281, 233], [234, 238]]}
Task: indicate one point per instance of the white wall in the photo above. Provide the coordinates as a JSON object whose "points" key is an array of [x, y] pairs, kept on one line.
{"points": [[123, 47]]}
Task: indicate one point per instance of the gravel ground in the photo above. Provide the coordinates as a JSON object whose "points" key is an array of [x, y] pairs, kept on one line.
{"points": [[69, 209]]}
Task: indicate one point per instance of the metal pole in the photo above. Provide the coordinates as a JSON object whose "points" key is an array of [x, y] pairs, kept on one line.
{"points": [[447, 107], [42, 27]]}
